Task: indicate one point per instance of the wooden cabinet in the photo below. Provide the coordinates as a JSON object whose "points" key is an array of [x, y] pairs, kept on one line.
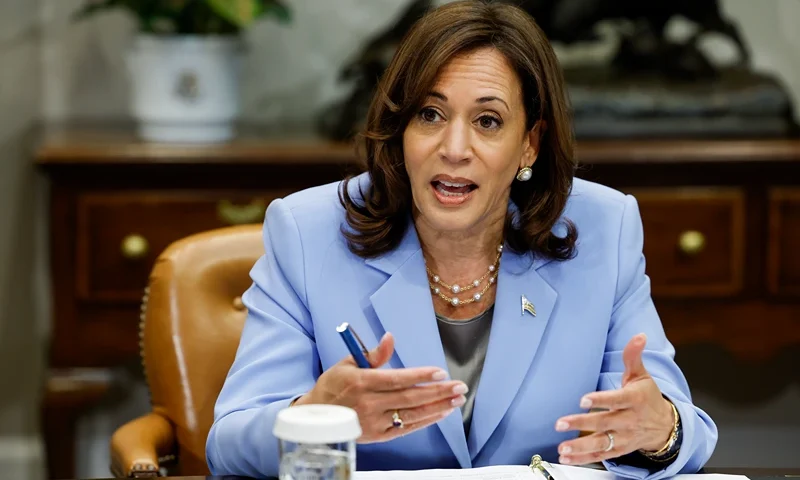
{"points": [[121, 234], [694, 240], [721, 222], [784, 242]]}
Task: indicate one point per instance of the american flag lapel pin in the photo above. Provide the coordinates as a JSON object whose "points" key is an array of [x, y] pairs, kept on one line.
{"points": [[527, 306]]}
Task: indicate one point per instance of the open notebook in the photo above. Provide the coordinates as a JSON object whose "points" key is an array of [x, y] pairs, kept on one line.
{"points": [[517, 472]]}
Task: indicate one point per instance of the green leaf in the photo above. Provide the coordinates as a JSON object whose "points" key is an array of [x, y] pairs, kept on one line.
{"points": [[239, 12], [175, 5], [278, 10], [191, 16]]}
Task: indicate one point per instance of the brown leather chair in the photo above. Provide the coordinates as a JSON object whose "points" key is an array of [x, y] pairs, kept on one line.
{"points": [[192, 317]]}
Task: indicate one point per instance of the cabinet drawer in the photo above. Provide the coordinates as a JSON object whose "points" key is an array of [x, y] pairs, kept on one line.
{"points": [[693, 240], [121, 235], [783, 269]]}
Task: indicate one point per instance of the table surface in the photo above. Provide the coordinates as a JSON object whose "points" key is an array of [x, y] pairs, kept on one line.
{"points": [[751, 473]]}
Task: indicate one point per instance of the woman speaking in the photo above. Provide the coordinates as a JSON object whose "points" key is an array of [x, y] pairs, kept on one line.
{"points": [[506, 302]]}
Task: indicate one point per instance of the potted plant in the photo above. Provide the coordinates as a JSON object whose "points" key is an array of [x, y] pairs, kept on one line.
{"points": [[185, 63]]}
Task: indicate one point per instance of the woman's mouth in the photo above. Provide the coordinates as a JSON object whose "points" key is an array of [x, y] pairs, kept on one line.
{"points": [[453, 192]]}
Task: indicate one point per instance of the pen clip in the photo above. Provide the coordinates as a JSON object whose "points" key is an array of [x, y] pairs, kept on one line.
{"points": [[360, 343]]}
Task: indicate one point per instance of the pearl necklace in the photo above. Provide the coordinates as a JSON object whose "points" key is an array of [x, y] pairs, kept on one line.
{"points": [[491, 273]]}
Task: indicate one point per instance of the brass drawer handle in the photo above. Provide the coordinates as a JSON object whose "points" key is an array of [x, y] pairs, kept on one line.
{"points": [[241, 214], [692, 242], [134, 247]]}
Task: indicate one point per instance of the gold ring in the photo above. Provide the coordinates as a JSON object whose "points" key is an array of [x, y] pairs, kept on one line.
{"points": [[397, 422], [610, 442]]}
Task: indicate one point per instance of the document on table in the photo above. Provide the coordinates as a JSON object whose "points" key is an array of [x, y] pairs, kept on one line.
{"points": [[504, 472], [516, 472]]}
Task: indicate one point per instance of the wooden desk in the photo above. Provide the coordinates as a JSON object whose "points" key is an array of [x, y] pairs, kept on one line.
{"points": [[721, 220]]}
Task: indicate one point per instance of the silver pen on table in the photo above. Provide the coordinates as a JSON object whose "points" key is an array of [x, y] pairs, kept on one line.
{"points": [[539, 464]]}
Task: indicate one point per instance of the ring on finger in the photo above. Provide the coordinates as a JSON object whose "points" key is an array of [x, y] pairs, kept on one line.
{"points": [[610, 442], [397, 422]]}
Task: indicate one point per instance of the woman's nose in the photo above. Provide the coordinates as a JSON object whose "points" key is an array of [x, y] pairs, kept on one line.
{"points": [[456, 143]]}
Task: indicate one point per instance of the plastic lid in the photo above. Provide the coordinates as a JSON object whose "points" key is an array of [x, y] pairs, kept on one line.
{"points": [[317, 424]]}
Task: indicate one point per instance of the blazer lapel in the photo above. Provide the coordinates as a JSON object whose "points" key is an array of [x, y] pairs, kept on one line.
{"points": [[404, 307], [513, 341]]}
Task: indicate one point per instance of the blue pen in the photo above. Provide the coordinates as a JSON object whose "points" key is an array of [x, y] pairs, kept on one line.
{"points": [[354, 344]]}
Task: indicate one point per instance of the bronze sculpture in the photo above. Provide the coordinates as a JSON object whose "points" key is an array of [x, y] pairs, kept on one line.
{"points": [[648, 47], [676, 78]]}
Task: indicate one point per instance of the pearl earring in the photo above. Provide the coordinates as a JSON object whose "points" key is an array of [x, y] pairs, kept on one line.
{"points": [[524, 174]]}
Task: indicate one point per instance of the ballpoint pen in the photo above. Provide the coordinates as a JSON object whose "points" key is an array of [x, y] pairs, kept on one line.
{"points": [[354, 344]]}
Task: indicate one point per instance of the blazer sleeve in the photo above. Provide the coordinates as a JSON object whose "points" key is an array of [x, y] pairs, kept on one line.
{"points": [[633, 313], [276, 360]]}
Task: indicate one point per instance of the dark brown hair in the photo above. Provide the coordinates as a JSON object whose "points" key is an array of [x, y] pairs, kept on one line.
{"points": [[378, 221]]}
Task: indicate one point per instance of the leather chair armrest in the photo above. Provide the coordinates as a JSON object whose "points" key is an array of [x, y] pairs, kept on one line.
{"points": [[137, 446]]}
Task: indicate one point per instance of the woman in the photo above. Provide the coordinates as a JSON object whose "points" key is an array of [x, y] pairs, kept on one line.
{"points": [[507, 300]]}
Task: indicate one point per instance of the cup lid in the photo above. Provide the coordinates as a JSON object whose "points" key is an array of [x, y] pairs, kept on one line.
{"points": [[317, 424]]}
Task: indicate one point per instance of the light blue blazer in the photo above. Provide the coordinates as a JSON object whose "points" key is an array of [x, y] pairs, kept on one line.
{"points": [[536, 368]]}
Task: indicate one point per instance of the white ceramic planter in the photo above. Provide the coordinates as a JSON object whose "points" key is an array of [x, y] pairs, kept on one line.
{"points": [[185, 89]]}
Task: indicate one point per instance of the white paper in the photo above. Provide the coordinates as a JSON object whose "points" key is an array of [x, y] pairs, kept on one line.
{"points": [[710, 476], [503, 472], [518, 472], [571, 472], [500, 472]]}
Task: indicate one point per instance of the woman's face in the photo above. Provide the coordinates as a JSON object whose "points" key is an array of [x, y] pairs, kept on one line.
{"points": [[464, 147]]}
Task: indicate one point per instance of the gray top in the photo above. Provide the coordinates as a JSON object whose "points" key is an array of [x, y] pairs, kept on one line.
{"points": [[465, 343]]}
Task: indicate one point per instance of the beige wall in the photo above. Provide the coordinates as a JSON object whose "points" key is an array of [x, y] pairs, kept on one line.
{"points": [[290, 75], [291, 71], [22, 314], [770, 27]]}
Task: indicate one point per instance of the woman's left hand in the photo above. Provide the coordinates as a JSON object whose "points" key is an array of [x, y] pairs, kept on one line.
{"points": [[637, 416]]}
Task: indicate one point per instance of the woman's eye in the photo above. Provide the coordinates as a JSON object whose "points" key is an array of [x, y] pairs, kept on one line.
{"points": [[429, 115], [489, 122]]}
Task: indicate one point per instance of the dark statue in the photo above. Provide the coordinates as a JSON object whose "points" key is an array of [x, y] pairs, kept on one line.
{"points": [[340, 121], [653, 86], [647, 48]]}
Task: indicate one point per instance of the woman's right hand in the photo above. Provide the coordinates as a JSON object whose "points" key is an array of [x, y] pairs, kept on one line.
{"points": [[419, 395]]}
